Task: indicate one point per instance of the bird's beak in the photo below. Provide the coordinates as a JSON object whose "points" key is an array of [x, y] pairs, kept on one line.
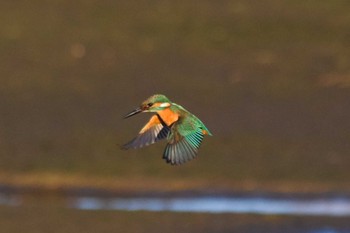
{"points": [[134, 112]]}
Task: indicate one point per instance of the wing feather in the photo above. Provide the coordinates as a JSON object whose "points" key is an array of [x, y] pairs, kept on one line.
{"points": [[152, 132], [184, 141]]}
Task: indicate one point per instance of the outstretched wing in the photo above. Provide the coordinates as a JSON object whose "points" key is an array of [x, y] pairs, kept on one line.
{"points": [[152, 132], [184, 140]]}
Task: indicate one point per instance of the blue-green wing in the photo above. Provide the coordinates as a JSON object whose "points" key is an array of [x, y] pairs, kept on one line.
{"points": [[183, 142]]}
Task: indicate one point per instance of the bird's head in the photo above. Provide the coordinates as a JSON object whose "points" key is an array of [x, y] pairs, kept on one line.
{"points": [[154, 103]]}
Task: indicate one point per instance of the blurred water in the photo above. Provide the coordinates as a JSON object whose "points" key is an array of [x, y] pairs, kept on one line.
{"points": [[9, 200], [314, 207], [330, 207], [329, 230]]}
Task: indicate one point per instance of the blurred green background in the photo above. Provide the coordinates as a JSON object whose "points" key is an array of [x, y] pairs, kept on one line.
{"points": [[270, 79]]}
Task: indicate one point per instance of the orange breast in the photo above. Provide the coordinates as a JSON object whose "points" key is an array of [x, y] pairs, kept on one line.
{"points": [[168, 116]]}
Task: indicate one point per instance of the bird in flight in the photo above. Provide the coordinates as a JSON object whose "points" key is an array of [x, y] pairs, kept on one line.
{"points": [[183, 130]]}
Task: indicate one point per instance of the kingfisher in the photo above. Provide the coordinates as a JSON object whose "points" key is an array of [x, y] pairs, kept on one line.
{"points": [[183, 131]]}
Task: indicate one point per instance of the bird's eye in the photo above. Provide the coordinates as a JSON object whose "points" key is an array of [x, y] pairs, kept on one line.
{"points": [[150, 104]]}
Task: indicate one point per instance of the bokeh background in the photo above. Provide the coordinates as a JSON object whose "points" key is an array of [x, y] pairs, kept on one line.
{"points": [[270, 79]]}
